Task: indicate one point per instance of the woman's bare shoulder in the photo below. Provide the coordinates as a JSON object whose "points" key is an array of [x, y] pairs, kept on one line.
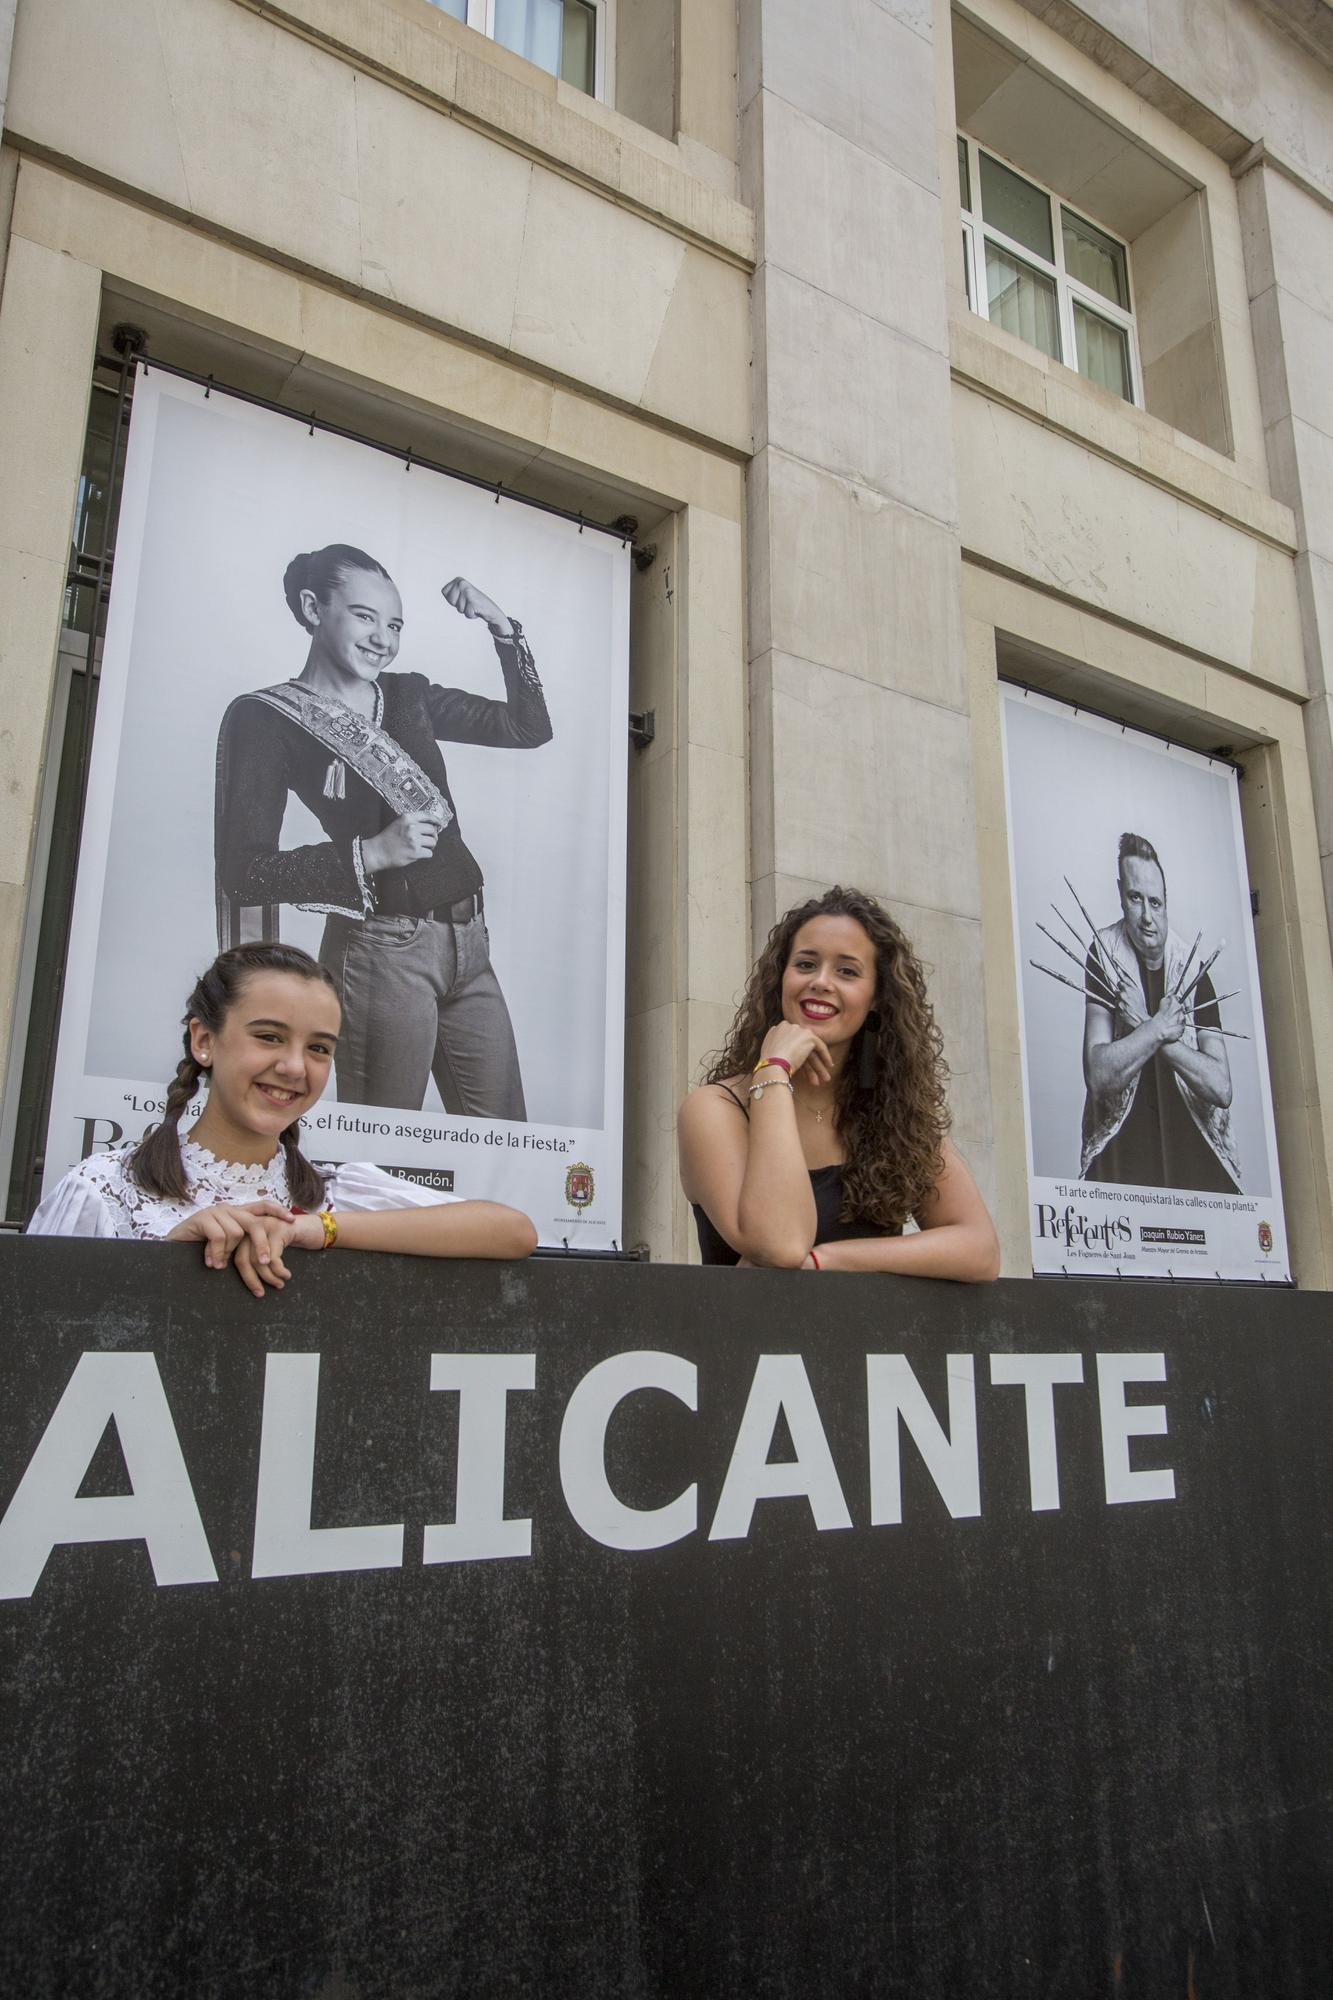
{"points": [[714, 1132], [730, 1090]]}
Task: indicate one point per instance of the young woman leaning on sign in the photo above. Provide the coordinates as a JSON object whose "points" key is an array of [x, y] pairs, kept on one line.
{"points": [[261, 1029], [820, 1127]]}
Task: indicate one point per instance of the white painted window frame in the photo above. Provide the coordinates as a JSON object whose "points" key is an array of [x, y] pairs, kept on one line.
{"points": [[481, 16], [976, 230]]}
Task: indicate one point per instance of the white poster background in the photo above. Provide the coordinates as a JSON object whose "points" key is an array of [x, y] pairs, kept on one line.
{"points": [[1075, 783], [218, 497]]}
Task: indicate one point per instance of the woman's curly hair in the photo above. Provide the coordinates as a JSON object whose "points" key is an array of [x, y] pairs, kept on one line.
{"points": [[894, 1129]]}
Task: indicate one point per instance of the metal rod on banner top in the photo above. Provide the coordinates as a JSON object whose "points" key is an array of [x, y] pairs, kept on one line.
{"points": [[622, 530], [1169, 1278], [1104, 715]]}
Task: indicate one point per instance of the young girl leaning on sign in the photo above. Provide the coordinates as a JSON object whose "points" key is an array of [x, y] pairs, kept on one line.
{"points": [[820, 1127], [261, 1028]]}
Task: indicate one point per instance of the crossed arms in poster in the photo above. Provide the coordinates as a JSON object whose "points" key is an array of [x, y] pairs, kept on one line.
{"points": [[1112, 1063]]}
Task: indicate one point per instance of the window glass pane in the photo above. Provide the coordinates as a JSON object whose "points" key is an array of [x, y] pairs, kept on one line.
{"points": [[457, 9], [532, 28], [1095, 260], [964, 178], [578, 55], [1022, 300], [967, 270], [94, 483], [1015, 206], [1103, 351]]}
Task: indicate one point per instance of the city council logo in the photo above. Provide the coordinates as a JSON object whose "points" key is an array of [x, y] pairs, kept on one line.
{"points": [[1265, 1237], [579, 1185]]}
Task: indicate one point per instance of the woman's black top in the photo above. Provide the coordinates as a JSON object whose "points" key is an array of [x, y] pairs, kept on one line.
{"points": [[826, 1186], [826, 1183]]}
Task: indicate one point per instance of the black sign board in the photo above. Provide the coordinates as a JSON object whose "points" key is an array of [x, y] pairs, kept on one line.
{"points": [[604, 1630]]}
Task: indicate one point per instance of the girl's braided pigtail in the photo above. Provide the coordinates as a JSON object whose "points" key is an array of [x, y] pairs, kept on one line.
{"points": [[305, 1183], [156, 1161]]}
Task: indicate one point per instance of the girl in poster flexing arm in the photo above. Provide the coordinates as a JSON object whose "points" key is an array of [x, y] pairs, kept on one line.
{"points": [[405, 935]]}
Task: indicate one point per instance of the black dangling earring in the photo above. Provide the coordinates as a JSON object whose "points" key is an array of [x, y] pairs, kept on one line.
{"points": [[867, 1054]]}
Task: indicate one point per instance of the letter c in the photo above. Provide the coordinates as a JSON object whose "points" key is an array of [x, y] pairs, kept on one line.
{"points": [[588, 1494]]}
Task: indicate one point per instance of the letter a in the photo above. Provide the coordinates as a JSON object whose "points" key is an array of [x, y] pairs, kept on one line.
{"points": [[780, 1385], [161, 1511]]}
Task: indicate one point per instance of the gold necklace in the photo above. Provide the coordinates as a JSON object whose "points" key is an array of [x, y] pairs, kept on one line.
{"points": [[815, 1108]]}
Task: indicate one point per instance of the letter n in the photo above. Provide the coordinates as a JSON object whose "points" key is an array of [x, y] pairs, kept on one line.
{"points": [[160, 1511], [894, 1395]]}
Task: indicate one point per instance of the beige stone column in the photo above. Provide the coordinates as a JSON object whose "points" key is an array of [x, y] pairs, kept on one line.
{"points": [[860, 732], [706, 80], [688, 920], [1288, 234], [48, 342], [1276, 812]]}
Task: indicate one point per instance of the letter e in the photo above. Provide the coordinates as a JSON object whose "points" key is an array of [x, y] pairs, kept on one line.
{"points": [[1120, 1423]]}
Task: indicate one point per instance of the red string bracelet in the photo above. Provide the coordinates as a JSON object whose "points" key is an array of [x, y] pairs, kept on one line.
{"points": [[814, 1259]]}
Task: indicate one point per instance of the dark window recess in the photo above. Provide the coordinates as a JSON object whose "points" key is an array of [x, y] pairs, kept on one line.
{"points": [[87, 588]]}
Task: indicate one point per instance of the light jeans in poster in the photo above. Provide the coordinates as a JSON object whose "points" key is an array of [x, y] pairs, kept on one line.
{"points": [[420, 999]]}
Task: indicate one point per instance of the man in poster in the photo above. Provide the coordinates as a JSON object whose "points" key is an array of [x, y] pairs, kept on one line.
{"points": [[1157, 1109]]}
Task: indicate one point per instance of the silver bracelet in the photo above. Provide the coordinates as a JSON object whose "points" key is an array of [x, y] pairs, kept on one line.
{"points": [[783, 1083]]}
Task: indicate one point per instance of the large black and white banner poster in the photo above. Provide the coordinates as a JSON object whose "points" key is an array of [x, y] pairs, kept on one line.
{"points": [[1151, 1150], [450, 839]]}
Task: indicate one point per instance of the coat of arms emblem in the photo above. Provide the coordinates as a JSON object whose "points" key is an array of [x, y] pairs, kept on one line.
{"points": [[1265, 1237], [579, 1185]]}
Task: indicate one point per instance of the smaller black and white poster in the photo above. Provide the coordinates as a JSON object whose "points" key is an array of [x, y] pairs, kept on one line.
{"points": [[1151, 1148]]}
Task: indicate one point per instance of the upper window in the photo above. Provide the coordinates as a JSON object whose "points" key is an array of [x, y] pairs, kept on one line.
{"points": [[1040, 270], [566, 37]]}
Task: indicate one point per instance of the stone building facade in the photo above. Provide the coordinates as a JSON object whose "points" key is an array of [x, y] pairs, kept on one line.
{"points": [[726, 292]]}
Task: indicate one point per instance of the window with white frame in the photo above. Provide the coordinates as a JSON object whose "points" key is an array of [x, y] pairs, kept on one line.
{"points": [[1036, 267], [567, 37]]}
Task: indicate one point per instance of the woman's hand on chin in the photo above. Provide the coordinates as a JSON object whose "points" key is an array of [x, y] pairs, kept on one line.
{"points": [[806, 1051], [250, 1236]]}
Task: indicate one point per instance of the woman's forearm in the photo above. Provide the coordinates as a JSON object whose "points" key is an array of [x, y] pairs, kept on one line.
{"points": [[776, 1207], [450, 1229], [966, 1251]]}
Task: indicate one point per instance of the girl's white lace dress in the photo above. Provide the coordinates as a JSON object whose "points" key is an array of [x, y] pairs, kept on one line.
{"points": [[99, 1197]]}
